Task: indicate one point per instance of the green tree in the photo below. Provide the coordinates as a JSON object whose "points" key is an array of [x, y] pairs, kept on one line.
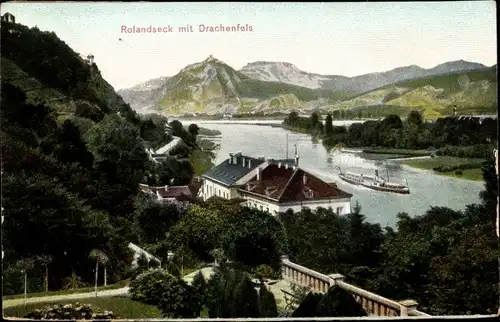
{"points": [[200, 286], [200, 229], [338, 303], [100, 258], [179, 300], [45, 260], [193, 129], [25, 265], [328, 125], [245, 299], [308, 306], [267, 303], [254, 238], [119, 151]]}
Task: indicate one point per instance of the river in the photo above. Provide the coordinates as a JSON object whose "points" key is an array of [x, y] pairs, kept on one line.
{"points": [[427, 189]]}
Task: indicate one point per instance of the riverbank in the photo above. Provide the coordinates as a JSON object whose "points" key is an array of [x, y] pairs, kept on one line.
{"points": [[469, 169]]}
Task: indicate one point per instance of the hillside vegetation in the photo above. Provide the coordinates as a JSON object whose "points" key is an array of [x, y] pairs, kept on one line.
{"points": [[472, 92], [73, 155], [213, 87]]}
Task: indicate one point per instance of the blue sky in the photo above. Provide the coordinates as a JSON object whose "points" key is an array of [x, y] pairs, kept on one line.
{"points": [[326, 38]]}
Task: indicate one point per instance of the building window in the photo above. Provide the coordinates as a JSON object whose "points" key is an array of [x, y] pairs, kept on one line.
{"points": [[339, 210], [261, 207], [275, 212], [267, 209]]}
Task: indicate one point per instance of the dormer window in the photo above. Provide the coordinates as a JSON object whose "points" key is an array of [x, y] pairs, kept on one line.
{"points": [[270, 190], [308, 193]]}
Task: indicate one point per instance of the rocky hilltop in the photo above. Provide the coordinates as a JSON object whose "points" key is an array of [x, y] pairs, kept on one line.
{"points": [[213, 87]]}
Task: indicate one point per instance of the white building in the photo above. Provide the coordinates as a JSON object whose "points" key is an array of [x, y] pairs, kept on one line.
{"points": [[272, 185], [226, 178], [8, 17]]}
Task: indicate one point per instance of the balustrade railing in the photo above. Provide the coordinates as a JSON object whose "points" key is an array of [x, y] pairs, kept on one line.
{"points": [[372, 303]]}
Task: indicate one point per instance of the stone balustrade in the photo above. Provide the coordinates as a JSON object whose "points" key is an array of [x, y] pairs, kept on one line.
{"points": [[372, 303]]}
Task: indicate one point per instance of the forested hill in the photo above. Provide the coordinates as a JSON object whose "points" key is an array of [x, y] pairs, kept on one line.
{"points": [[73, 154], [44, 66]]}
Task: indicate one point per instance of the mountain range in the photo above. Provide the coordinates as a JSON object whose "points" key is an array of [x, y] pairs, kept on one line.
{"points": [[213, 87]]}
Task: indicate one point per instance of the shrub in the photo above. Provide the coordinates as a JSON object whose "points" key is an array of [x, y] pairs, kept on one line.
{"points": [[75, 311], [267, 303], [264, 271], [180, 300], [308, 306], [231, 294], [338, 302], [149, 286], [200, 285]]}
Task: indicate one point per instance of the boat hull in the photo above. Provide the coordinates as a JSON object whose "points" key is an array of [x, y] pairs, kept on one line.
{"points": [[354, 182], [387, 189]]}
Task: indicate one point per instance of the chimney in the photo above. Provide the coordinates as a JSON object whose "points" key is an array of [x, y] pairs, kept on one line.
{"points": [[230, 158], [296, 157], [243, 162], [166, 188], [259, 173], [249, 164], [235, 159], [286, 166], [304, 179], [279, 165]]}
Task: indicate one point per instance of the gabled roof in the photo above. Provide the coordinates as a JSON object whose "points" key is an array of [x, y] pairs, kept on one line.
{"points": [[288, 185], [228, 173], [178, 192]]}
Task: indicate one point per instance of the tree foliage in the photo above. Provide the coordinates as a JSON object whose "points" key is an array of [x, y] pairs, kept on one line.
{"points": [[267, 303], [466, 137]]}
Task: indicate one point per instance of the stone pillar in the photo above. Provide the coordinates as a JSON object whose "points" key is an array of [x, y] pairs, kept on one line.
{"points": [[406, 306], [334, 278]]}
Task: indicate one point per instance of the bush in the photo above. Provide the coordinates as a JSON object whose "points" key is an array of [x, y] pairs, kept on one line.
{"points": [[149, 286], [308, 306], [75, 311], [267, 303], [338, 302], [231, 294], [265, 272], [200, 285], [180, 300]]}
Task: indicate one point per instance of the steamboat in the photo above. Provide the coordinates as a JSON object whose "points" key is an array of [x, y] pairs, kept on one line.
{"points": [[373, 182]]}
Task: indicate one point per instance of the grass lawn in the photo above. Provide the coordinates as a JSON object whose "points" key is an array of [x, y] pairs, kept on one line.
{"points": [[397, 151], [121, 306], [73, 291], [428, 164]]}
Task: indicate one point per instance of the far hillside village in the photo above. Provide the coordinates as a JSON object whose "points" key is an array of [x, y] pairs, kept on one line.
{"points": [[285, 200]]}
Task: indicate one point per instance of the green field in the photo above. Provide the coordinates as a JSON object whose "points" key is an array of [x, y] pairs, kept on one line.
{"points": [[470, 174], [405, 152], [72, 291], [123, 307]]}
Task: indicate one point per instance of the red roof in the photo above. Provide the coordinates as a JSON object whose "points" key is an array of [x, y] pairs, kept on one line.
{"points": [[288, 185], [173, 192], [178, 192]]}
